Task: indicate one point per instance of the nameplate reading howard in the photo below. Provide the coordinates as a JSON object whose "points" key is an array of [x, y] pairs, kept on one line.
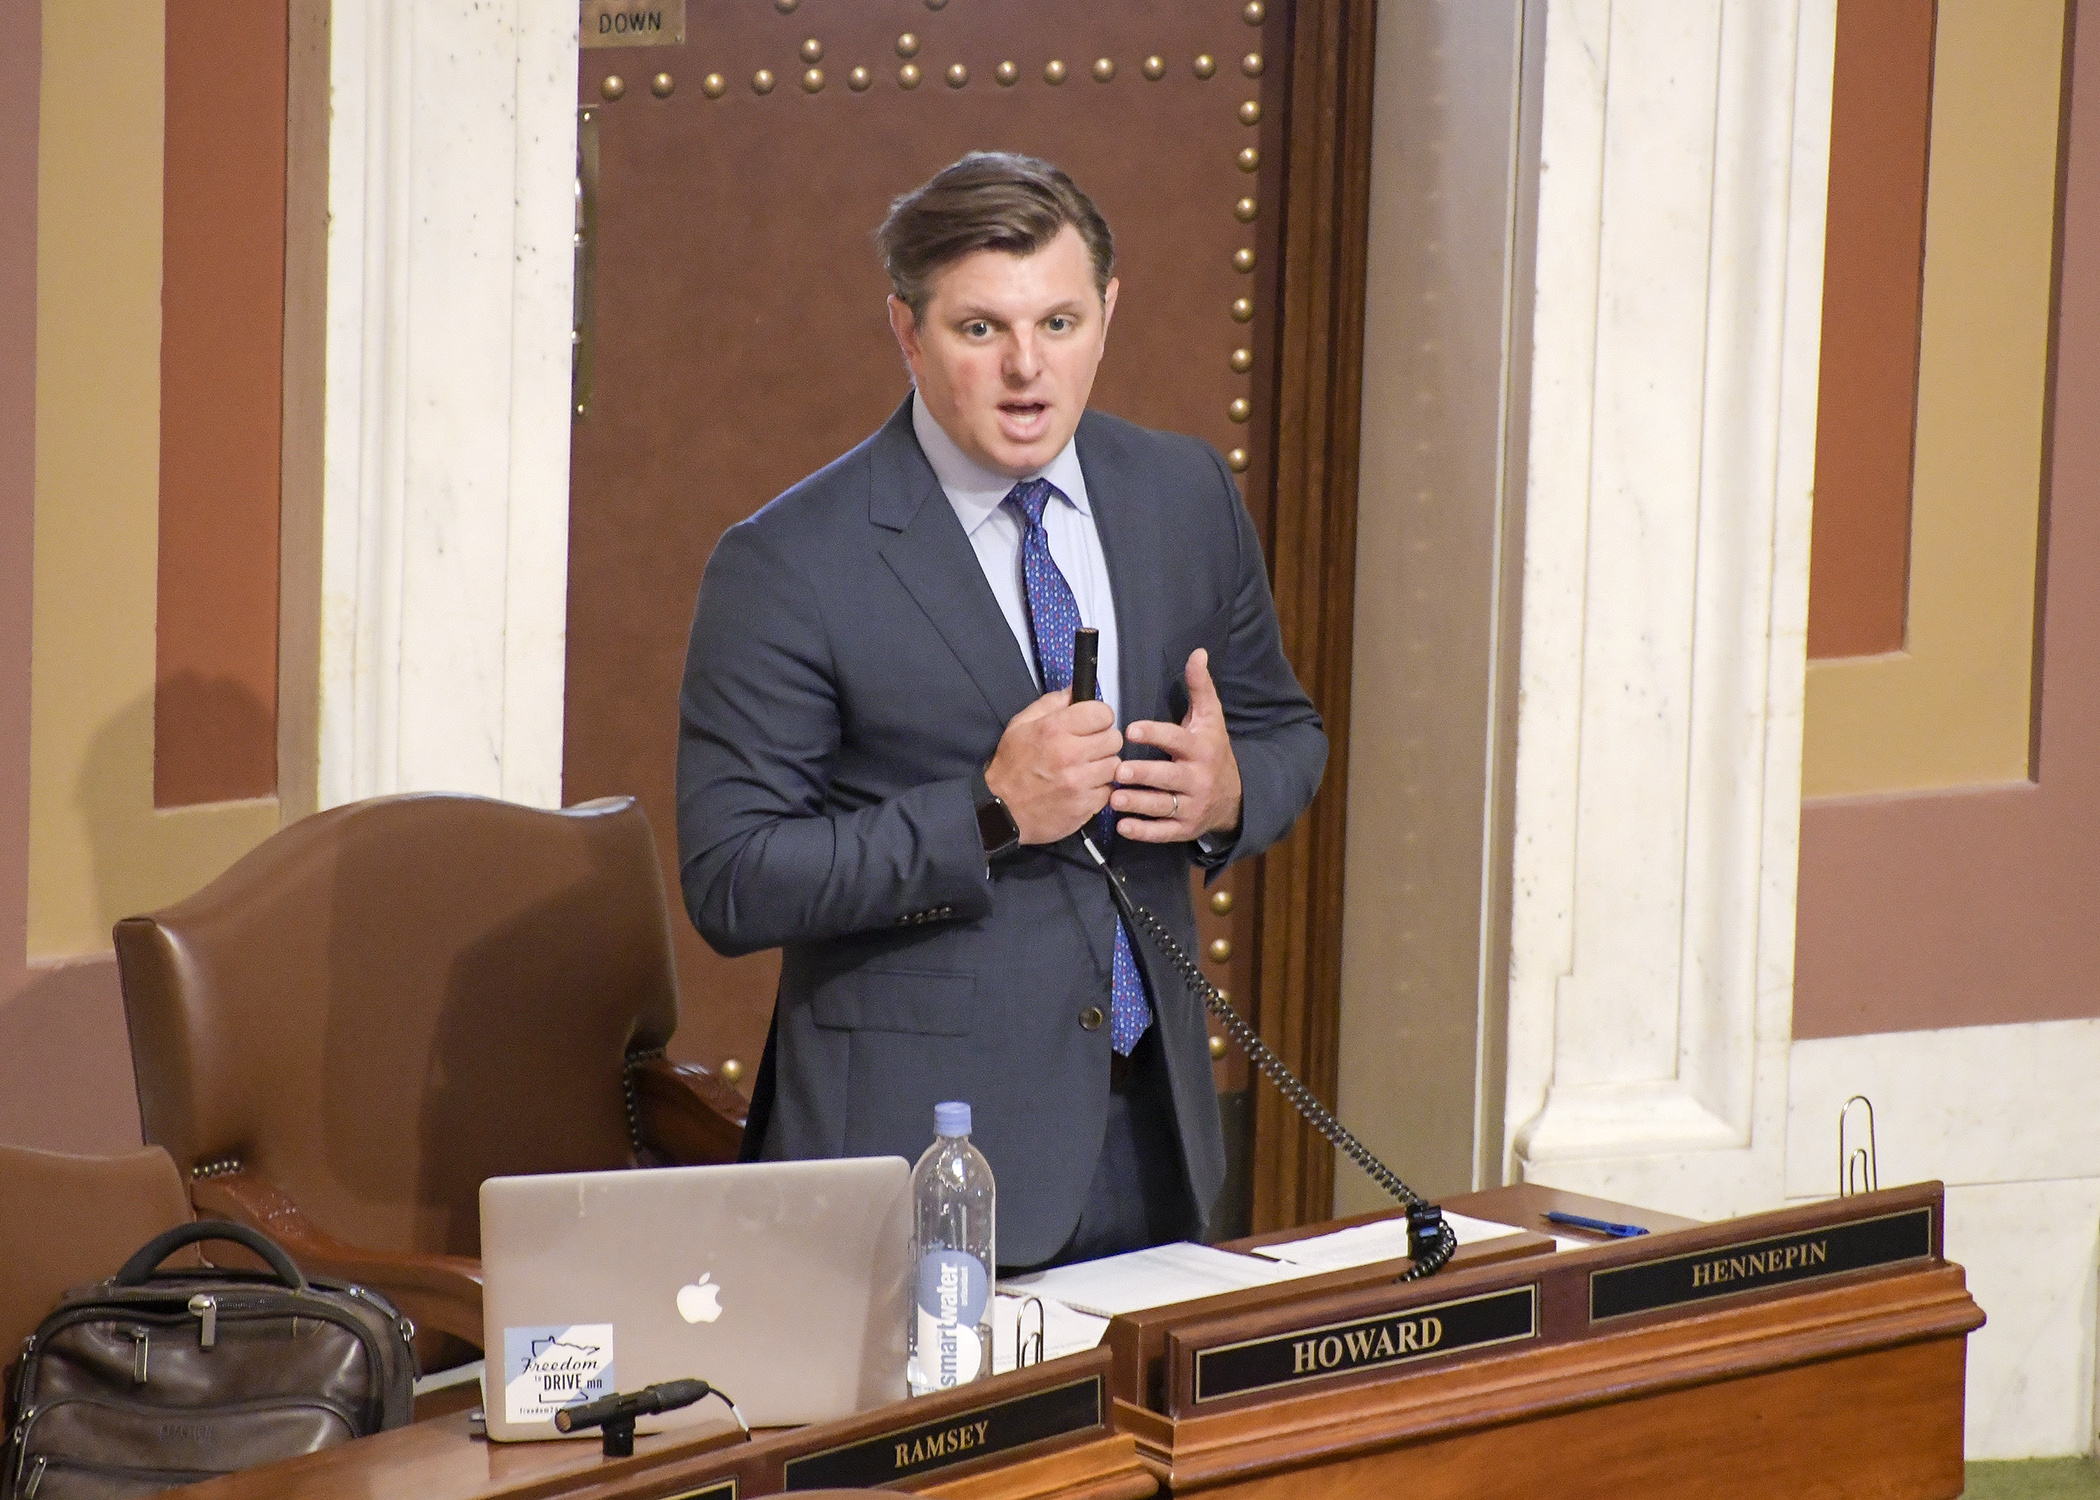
{"points": [[1396, 1338], [633, 23], [1756, 1265]]}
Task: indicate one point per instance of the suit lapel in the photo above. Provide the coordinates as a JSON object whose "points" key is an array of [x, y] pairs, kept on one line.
{"points": [[933, 559]]}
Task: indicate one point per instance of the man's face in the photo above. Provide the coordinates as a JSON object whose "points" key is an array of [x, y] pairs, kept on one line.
{"points": [[1006, 353]]}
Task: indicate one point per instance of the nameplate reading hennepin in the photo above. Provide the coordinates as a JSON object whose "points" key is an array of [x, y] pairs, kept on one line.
{"points": [[1396, 1338], [997, 1427], [633, 23], [1754, 1265]]}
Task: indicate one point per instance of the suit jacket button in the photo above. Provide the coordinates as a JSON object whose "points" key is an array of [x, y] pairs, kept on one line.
{"points": [[1091, 1018]]}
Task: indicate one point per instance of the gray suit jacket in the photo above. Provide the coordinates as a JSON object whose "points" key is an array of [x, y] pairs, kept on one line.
{"points": [[849, 672]]}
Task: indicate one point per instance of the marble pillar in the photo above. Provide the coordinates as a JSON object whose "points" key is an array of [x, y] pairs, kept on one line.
{"points": [[445, 511], [1670, 442]]}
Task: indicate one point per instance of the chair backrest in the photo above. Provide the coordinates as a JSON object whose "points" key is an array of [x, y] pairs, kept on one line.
{"points": [[385, 1003], [67, 1221]]}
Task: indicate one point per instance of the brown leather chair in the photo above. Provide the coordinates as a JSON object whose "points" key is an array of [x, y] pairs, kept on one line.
{"points": [[68, 1221], [384, 1004]]}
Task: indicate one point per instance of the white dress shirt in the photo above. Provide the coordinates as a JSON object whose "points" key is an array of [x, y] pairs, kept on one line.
{"points": [[977, 494]]}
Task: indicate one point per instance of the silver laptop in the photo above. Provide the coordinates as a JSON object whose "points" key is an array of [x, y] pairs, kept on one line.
{"points": [[785, 1284]]}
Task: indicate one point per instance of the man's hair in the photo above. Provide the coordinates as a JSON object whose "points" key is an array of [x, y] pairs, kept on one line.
{"points": [[990, 200]]}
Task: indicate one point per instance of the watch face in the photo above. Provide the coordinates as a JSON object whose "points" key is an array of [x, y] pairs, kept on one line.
{"points": [[996, 827]]}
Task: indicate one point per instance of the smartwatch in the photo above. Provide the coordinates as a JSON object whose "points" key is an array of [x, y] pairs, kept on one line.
{"points": [[996, 827]]}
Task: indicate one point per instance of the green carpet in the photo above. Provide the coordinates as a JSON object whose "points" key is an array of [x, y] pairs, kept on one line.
{"points": [[2034, 1479]]}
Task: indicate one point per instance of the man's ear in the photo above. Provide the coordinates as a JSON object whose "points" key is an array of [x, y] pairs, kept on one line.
{"points": [[1108, 305], [906, 328]]}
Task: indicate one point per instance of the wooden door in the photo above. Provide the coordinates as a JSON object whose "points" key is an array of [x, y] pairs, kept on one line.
{"points": [[734, 336]]}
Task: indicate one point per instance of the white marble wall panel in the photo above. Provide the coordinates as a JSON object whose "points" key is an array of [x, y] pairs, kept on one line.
{"points": [[445, 512], [1684, 159]]}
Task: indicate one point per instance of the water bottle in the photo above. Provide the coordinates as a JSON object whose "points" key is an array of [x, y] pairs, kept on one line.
{"points": [[951, 1326]]}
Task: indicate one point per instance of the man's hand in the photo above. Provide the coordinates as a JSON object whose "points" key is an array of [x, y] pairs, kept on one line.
{"points": [[1194, 792], [1055, 765]]}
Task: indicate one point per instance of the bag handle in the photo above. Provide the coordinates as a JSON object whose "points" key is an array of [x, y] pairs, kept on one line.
{"points": [[165, 1244]]}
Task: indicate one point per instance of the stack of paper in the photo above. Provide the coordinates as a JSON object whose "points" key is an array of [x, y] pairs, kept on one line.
{"points": [[1151, 1278]]}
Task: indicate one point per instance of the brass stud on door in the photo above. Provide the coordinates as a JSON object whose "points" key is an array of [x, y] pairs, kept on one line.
{"points": [[958, 75], [1007, 73], [1250, 112], [1240, 409], [1236, 461], [1053, 71], [1205, 65], [1104, 69], [786, 7], [1221, 903], [661, 85], [1243, 309], [1254, 12], [908, 76], [1245, 210], [612, 86], [1155, 67], [714, 85], [1220, 951], [859, 79], [1242, 361], [1243, 258], [1217, 1047], [1249, 159], [812, 80], [812, 51], [762, 81], [907, 45], [731, 1070], [1251, 65]]}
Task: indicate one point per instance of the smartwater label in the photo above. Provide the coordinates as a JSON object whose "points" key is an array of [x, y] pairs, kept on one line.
{"points": [[545, 1369], [952, 1293]]}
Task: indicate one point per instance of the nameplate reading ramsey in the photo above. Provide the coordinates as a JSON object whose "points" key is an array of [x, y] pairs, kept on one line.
{"points": [[1754, 1265], [1308, 1354], [633, 23], [978, 1433]]}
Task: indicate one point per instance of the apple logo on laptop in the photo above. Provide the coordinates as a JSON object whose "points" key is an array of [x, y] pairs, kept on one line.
{"points": [[699, 1301]]}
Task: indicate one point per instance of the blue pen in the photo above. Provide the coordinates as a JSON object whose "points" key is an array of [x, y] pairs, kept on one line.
{"points": [[1600, 1226]]}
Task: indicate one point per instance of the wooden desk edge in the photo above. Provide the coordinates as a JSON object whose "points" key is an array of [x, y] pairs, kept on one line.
{"points": [[1335, 1423]]}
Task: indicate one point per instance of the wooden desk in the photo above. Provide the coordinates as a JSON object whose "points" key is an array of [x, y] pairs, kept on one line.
{"points": [[1838, 1384]]}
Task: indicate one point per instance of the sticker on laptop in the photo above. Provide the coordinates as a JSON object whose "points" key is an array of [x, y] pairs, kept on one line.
{"points": [[545, 1369]]}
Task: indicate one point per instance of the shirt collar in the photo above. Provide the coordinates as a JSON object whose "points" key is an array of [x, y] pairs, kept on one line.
{"points": [[975, 491]]}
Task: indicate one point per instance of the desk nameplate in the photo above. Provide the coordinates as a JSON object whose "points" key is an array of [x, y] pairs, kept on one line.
{"points": [[1301, 1356], [1769, 1261], [985, 1430]]}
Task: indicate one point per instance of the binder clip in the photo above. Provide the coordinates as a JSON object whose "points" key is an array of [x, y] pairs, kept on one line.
{"points": [[1425, 1227], [1028, 1348], [1859, 1169]]}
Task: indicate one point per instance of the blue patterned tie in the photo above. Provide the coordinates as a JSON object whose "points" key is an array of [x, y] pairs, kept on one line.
{"points": [[1053, 614]]}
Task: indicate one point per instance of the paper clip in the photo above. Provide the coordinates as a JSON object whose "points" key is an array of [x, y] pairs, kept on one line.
{"points": [[1859, 1167], [1022, 1340]]}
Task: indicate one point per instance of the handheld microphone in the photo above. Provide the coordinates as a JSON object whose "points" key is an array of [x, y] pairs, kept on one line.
{"points": [[1086, 659]]}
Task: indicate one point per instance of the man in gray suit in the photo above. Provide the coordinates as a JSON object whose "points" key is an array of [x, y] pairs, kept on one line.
{"points": [[881, 770]]}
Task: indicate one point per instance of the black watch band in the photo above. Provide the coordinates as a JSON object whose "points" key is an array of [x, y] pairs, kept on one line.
{"points": [[996, 827]]}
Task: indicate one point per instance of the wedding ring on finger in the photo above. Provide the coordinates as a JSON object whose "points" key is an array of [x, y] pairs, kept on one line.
{"points": [[1177, 804]]}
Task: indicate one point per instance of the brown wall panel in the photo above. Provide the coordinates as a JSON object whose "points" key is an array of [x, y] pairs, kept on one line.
{"points": [[222, 382], [1980, 908], [1873, 283]]}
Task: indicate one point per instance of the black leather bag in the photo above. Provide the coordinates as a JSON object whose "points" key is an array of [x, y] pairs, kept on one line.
{"points": [[157, 1378]]}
